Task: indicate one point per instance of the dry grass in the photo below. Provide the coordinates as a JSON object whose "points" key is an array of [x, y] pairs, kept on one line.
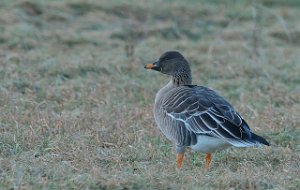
{"points": [[76, 103]]}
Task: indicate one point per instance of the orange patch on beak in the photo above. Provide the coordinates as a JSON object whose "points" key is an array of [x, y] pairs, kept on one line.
{"points": [[149, 66]]}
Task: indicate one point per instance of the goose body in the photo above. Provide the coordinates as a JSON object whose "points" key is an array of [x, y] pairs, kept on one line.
{"points": [[196, 116]]}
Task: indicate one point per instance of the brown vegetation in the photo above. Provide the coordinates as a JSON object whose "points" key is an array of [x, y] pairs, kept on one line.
{"points": [[76, 103]]}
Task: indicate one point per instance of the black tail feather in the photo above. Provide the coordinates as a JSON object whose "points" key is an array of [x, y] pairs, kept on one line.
{"points": [[260, 139]]}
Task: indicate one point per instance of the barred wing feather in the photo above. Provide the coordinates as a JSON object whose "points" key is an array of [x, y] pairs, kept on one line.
{"points": [[205, 112]]}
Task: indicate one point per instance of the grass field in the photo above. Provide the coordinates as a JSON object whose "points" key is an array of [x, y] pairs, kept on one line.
{"points": [[76, 102]]}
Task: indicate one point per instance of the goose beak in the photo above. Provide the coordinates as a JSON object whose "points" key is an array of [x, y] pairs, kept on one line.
{"points": [[153, 66], [149, 66]]}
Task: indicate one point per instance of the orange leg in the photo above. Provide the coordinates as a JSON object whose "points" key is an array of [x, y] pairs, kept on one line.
{"points": [[179, 159], [208, 160]]}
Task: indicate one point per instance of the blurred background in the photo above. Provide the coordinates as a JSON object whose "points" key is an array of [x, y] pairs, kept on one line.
{"points": [[76, 103]]}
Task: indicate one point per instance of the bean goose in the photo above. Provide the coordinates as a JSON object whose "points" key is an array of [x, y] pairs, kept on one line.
{"points": [[196, 116]]}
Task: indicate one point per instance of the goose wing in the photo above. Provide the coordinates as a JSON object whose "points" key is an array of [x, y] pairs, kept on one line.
{"points": [[205, 112]]}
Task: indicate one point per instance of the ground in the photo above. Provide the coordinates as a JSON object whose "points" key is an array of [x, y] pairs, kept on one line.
{"points": [[76, 103]]}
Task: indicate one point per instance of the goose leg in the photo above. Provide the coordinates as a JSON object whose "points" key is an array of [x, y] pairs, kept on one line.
{"points": [[208, 160], [179, 159], [180, 156]]}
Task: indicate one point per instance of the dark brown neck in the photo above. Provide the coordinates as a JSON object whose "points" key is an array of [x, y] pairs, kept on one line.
{"points": [[183, 79]]}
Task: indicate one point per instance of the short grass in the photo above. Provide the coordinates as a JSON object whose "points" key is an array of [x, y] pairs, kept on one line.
{"points": [[76, 103]]}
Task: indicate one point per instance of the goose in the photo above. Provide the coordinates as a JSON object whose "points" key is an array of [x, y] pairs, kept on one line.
{"points": [[196, 116]]}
